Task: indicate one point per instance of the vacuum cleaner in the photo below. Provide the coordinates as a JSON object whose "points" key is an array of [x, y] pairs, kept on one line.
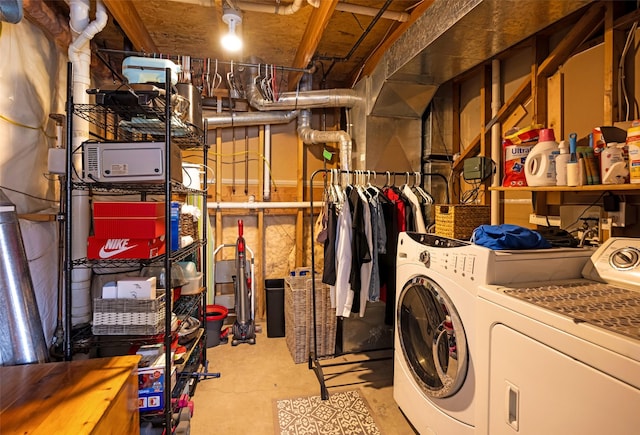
{"points": [[244, 330]]}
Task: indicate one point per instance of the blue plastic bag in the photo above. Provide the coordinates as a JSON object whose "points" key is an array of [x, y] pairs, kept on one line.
{"points": [[507, 236]]}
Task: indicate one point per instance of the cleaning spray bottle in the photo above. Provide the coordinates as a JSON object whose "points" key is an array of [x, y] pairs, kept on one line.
{"points": [[561, 164], [573, 167], [540, 168]]}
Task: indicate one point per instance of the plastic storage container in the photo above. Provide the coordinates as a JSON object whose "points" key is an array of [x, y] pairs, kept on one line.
{"points": [[275, 307], [149, 70]]}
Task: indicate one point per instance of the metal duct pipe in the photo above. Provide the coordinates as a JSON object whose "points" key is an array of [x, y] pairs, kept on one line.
{"points": [[80, 57], [22, 341], [311, 136], [243, 119], [303, 99], [11, 11]]}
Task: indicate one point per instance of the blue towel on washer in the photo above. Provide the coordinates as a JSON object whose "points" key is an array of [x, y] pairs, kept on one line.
{"points": [[507, 236]]}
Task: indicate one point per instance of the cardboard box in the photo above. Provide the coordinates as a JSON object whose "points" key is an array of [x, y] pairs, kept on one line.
{"points": [[137, 288], [110, 290], [129, 219], [151, 385], [124, 248]]}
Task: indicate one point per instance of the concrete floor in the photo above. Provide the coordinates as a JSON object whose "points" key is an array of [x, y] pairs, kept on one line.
{"points": [[252, 377]]}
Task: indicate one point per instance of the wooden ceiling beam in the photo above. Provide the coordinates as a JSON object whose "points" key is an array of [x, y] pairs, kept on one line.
{"points": [[318, 22], [125, 13], [589, 22]]}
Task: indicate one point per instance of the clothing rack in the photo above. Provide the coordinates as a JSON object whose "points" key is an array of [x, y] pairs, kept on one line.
{"points": [[314, 362]]}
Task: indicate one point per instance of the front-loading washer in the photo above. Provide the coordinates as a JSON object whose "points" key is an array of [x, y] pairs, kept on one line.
{"points": [[563, 356], [434, 340]]}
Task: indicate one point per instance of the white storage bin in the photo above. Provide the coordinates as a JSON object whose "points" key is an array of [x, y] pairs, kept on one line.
{"points": [[149, 70], [193, 286]]}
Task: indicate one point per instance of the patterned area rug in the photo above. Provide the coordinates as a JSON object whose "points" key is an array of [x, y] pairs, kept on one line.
{"points": [[343, 413]]}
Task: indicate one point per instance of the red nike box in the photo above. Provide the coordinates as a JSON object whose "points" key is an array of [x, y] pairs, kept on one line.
{"points": [[129, 219], [124, 248]]}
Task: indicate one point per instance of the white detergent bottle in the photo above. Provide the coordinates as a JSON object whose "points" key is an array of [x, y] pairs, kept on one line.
{"points": [[539, 167], [561, 164]]}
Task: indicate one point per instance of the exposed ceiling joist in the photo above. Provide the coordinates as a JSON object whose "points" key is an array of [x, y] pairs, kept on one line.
{"points": [[127, 17], [311, 38]]}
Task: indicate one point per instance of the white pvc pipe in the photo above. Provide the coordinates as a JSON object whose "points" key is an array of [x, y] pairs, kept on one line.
{"points": [[286, 10], [80, 57], [250, 205], [266, 192], [496, 142]]}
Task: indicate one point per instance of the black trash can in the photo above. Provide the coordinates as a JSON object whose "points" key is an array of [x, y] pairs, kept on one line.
{"points": [[274, 289]]}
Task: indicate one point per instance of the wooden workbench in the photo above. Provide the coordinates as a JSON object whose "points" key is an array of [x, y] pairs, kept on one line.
{"points": [[95, 396]]}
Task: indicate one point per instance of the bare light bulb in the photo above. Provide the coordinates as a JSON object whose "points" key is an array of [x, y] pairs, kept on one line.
{"points": [[231, 41]]}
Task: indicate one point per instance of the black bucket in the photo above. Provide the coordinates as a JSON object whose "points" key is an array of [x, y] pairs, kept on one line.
{"points": [[215, 318]]}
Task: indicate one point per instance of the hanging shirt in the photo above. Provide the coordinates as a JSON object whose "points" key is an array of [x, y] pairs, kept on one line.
{"points": [[359, 247], [418, 219], [366, 267], [329, 271], [341, 293]]}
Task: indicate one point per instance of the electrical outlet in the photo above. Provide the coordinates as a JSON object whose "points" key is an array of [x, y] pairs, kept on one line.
{"points": [[623, 217]]}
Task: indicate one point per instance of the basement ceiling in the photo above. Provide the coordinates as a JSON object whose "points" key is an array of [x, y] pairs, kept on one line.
{"points": [[335, 40]]}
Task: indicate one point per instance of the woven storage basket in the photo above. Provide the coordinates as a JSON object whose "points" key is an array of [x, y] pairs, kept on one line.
{"points": [[188, 226], [128, 316], [457, 221], [299, 318]]}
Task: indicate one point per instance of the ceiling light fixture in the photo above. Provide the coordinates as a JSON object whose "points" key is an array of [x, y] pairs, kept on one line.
{"points": [[231, 41]]}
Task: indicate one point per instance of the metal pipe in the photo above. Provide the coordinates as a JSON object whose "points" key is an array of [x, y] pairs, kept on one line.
{"points": [[496, 146], [241, 119], [276, 9], [255, 205], [372, 12], [22, 340], [266, 188]]}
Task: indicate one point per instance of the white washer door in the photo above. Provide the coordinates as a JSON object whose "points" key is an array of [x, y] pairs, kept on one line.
{"points": [[432, 338]]}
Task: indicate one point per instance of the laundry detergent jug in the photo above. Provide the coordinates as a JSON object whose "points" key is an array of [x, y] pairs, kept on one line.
{"points": [[539, 167]]}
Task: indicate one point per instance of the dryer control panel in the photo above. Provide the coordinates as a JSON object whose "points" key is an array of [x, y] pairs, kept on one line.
{"points": [[617, 261]]}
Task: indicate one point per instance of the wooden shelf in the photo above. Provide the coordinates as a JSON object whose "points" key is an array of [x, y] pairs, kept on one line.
{"points": [[588, 188]]}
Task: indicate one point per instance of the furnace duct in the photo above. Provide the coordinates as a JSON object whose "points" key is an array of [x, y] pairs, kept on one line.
{"points": [[22, 340]]}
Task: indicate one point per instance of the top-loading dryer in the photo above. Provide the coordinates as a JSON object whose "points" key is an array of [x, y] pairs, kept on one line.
{"points": [[563, 356], [435, 342]]}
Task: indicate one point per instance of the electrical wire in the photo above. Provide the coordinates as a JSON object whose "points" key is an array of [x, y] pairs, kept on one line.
{"points": [[566, 228], [29, 195]]}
